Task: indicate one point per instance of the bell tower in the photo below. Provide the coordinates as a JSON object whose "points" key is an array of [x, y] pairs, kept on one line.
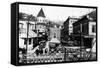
{"points": [[41, 16], [41, 21]]}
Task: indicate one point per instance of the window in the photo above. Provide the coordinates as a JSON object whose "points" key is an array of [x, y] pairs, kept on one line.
{"points": [[20, 25], [29, 41], [25, 41], [40, 26], [93, 28], [33, 27]]}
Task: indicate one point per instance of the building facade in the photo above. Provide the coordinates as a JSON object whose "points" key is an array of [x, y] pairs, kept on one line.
{"points": [[85, 30], [23, 34], [31, 32], [67, 30]]}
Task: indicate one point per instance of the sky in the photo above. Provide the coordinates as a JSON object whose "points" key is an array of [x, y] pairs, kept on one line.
{"points": [[54, 12]]}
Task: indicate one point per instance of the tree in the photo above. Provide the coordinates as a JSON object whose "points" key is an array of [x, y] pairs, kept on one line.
{"points": [[24, 16], [21, 15]]}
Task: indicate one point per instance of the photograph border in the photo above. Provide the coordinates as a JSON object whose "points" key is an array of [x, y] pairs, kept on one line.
{"points": [[59, 5]]}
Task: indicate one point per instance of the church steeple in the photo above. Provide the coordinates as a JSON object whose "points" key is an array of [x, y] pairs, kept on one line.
{"points": [[41, 13]]}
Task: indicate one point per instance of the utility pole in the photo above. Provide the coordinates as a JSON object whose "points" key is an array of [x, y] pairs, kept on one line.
{"points": [[29, 17], [81, 40]]}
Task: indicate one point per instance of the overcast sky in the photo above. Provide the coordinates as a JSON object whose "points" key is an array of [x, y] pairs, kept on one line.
{"points": [[54, 12]]}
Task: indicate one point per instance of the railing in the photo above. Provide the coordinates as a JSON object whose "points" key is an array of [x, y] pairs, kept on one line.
{"points": [[44, 58]]}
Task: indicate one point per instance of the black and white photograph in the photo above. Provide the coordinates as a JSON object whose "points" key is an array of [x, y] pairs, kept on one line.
{"points": [[52, 34]]}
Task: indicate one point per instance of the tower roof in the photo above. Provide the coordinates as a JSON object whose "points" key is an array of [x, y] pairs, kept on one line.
{"points": [[41, 13]]}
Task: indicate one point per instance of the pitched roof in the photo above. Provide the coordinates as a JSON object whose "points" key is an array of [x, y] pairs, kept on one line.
{"points": [[54, 40], [92, 15], [41, 13]]}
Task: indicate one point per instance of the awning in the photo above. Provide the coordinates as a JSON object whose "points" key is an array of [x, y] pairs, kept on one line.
{"points": [[31, 34]]}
